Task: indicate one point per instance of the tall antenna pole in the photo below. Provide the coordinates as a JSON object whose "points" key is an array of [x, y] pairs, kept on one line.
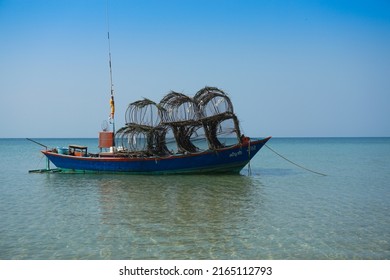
{"points": [[112, 103]]}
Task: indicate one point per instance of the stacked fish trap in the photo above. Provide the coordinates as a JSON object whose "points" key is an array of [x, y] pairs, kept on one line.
{"points": [[181, 121]]}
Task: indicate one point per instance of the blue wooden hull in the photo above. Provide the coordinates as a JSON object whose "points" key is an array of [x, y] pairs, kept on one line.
{"points": [[227, 160]]}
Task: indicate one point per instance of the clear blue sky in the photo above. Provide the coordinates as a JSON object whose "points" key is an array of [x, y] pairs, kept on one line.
{"points": [[292, 68]]}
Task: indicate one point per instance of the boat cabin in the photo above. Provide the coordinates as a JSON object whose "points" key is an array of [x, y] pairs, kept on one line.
{"points": [[76, 150]]}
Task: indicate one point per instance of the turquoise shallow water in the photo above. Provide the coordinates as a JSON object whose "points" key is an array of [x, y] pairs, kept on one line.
{"points": [[279, 212]]}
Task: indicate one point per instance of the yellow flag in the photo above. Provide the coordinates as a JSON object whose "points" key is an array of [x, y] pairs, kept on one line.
{"points": [[112, 105]]}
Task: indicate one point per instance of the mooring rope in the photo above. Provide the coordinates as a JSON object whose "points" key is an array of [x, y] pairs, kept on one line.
{"points": [[300, 166], [249, 163]]}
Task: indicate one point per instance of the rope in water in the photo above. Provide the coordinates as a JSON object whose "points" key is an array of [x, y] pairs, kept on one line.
{"points": [[300, 166], [249, 156]]}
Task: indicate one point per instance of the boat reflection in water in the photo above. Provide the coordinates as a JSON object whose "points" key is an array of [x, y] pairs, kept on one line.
{"points": [[202, 216]]}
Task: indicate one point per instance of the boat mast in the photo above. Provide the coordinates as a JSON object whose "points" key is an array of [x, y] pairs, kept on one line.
{"points": [[112, 103]]}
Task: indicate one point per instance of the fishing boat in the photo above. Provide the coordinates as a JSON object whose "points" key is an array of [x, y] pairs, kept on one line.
{"points": [[179, 135], [224, 160]]}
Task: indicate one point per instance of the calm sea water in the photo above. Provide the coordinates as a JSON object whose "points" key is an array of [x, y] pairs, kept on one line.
{"points": [[279, 212]]}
